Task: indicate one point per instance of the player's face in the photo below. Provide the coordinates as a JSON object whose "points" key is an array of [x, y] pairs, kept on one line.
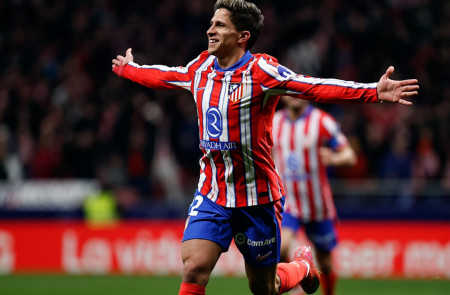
{"points": [[293, 102], [222, 34]]}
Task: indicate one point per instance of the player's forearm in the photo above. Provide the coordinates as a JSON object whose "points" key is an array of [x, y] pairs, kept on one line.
{"points": [[344, 158]]}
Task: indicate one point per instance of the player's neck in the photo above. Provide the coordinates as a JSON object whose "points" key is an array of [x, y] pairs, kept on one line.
{"points": [[296, 112], [232, 58]]}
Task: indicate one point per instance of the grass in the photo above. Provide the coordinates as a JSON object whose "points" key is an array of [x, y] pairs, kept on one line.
{"points": [[145, 285]]}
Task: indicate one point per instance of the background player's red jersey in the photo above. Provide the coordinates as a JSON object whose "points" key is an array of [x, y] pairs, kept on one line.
{"points": [[235, 109]]}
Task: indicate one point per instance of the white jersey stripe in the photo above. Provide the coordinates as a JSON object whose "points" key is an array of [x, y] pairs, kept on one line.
{"points": [[333, 82], [202, 177], [246, 143], [300, 143], [225, 137], [213, 193], [198, 75], [314, 162]]}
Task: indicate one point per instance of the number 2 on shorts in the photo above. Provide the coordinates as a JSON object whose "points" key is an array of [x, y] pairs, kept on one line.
{"points": [[199, 200]]}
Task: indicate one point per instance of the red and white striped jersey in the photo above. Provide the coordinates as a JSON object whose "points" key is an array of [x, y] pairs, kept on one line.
{"points": [[296, 154], [235, 109]]}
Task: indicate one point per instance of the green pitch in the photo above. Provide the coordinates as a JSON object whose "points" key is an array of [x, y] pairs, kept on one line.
{"points": [[142, 285]]}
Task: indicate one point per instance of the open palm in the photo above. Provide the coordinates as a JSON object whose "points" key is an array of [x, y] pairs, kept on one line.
{"points": [[396, 91]]}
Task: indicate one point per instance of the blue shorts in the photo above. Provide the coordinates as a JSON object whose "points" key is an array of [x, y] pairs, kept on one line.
{"points": [[256, 230], [322, 233]]}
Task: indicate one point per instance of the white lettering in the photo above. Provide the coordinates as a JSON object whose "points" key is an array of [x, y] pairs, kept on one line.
{"points": [[146, 254], [427, 259], [70, 261], [125, 256], [261, 243], [7, 257], [94, 255], [366, 259], [143, 254], [218, 145]]}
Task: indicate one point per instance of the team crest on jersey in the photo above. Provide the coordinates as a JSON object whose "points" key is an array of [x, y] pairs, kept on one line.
{"points": [[234, 91]]}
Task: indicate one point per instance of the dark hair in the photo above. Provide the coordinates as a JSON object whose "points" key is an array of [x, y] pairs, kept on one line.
{"points": [[246, 16]]}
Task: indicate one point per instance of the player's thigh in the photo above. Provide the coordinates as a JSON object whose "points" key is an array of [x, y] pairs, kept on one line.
{"points": [[289, 227], [287, 237], [287, 234]]}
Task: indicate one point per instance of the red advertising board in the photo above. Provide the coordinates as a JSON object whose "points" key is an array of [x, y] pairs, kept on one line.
{"points": [[366, 249], [393, 248]]}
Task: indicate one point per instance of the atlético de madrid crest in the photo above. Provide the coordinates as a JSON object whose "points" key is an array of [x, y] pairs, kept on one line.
{"points": [[234, 91]]}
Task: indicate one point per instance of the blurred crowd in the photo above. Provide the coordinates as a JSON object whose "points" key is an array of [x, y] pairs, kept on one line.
{"points": [[64, 114]]}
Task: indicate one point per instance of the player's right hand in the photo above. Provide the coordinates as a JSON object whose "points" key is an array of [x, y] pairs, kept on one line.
{"points": [[120, 62]]}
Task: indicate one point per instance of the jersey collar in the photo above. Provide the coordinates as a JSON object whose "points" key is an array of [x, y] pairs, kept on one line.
{"points": [[244, 59]]}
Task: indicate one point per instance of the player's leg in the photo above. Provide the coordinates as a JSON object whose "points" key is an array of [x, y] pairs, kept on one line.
{"points": [[274, 280], [258, 237], [289, 228], [287, 236], [263, 280], [279, 279], [324, 237], [207, 235], [199, 258], [301, 272], [328, 278]]}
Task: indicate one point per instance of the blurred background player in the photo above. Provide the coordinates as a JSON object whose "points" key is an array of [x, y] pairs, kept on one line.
{"points": [[306, 141]]}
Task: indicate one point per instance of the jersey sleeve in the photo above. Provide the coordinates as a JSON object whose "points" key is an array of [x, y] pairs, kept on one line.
{"points": [[160, 76], [276, 79], [332, 134]]}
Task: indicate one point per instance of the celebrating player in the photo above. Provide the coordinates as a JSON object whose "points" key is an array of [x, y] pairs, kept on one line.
{"points": [[240, 194], [305, 141]]}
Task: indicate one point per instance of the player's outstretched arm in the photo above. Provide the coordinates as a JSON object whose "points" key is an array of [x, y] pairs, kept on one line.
{"points": [[119, 62], [344, 157], [396, 91]]}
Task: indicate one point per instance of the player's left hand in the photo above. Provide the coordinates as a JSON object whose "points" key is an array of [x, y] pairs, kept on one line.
{"points": [[396, 91]]}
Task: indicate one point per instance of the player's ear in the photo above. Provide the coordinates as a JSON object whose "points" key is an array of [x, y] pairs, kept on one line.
{"points": [[244, 37]]}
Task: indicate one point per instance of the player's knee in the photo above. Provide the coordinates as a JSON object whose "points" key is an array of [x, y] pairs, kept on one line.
{"points": [[196, 273], [284, 253], [324, 261], [325, 268]]}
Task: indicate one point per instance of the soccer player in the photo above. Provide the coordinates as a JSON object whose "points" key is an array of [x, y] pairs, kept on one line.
{"points": [[240, 194], [305, 141]]}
